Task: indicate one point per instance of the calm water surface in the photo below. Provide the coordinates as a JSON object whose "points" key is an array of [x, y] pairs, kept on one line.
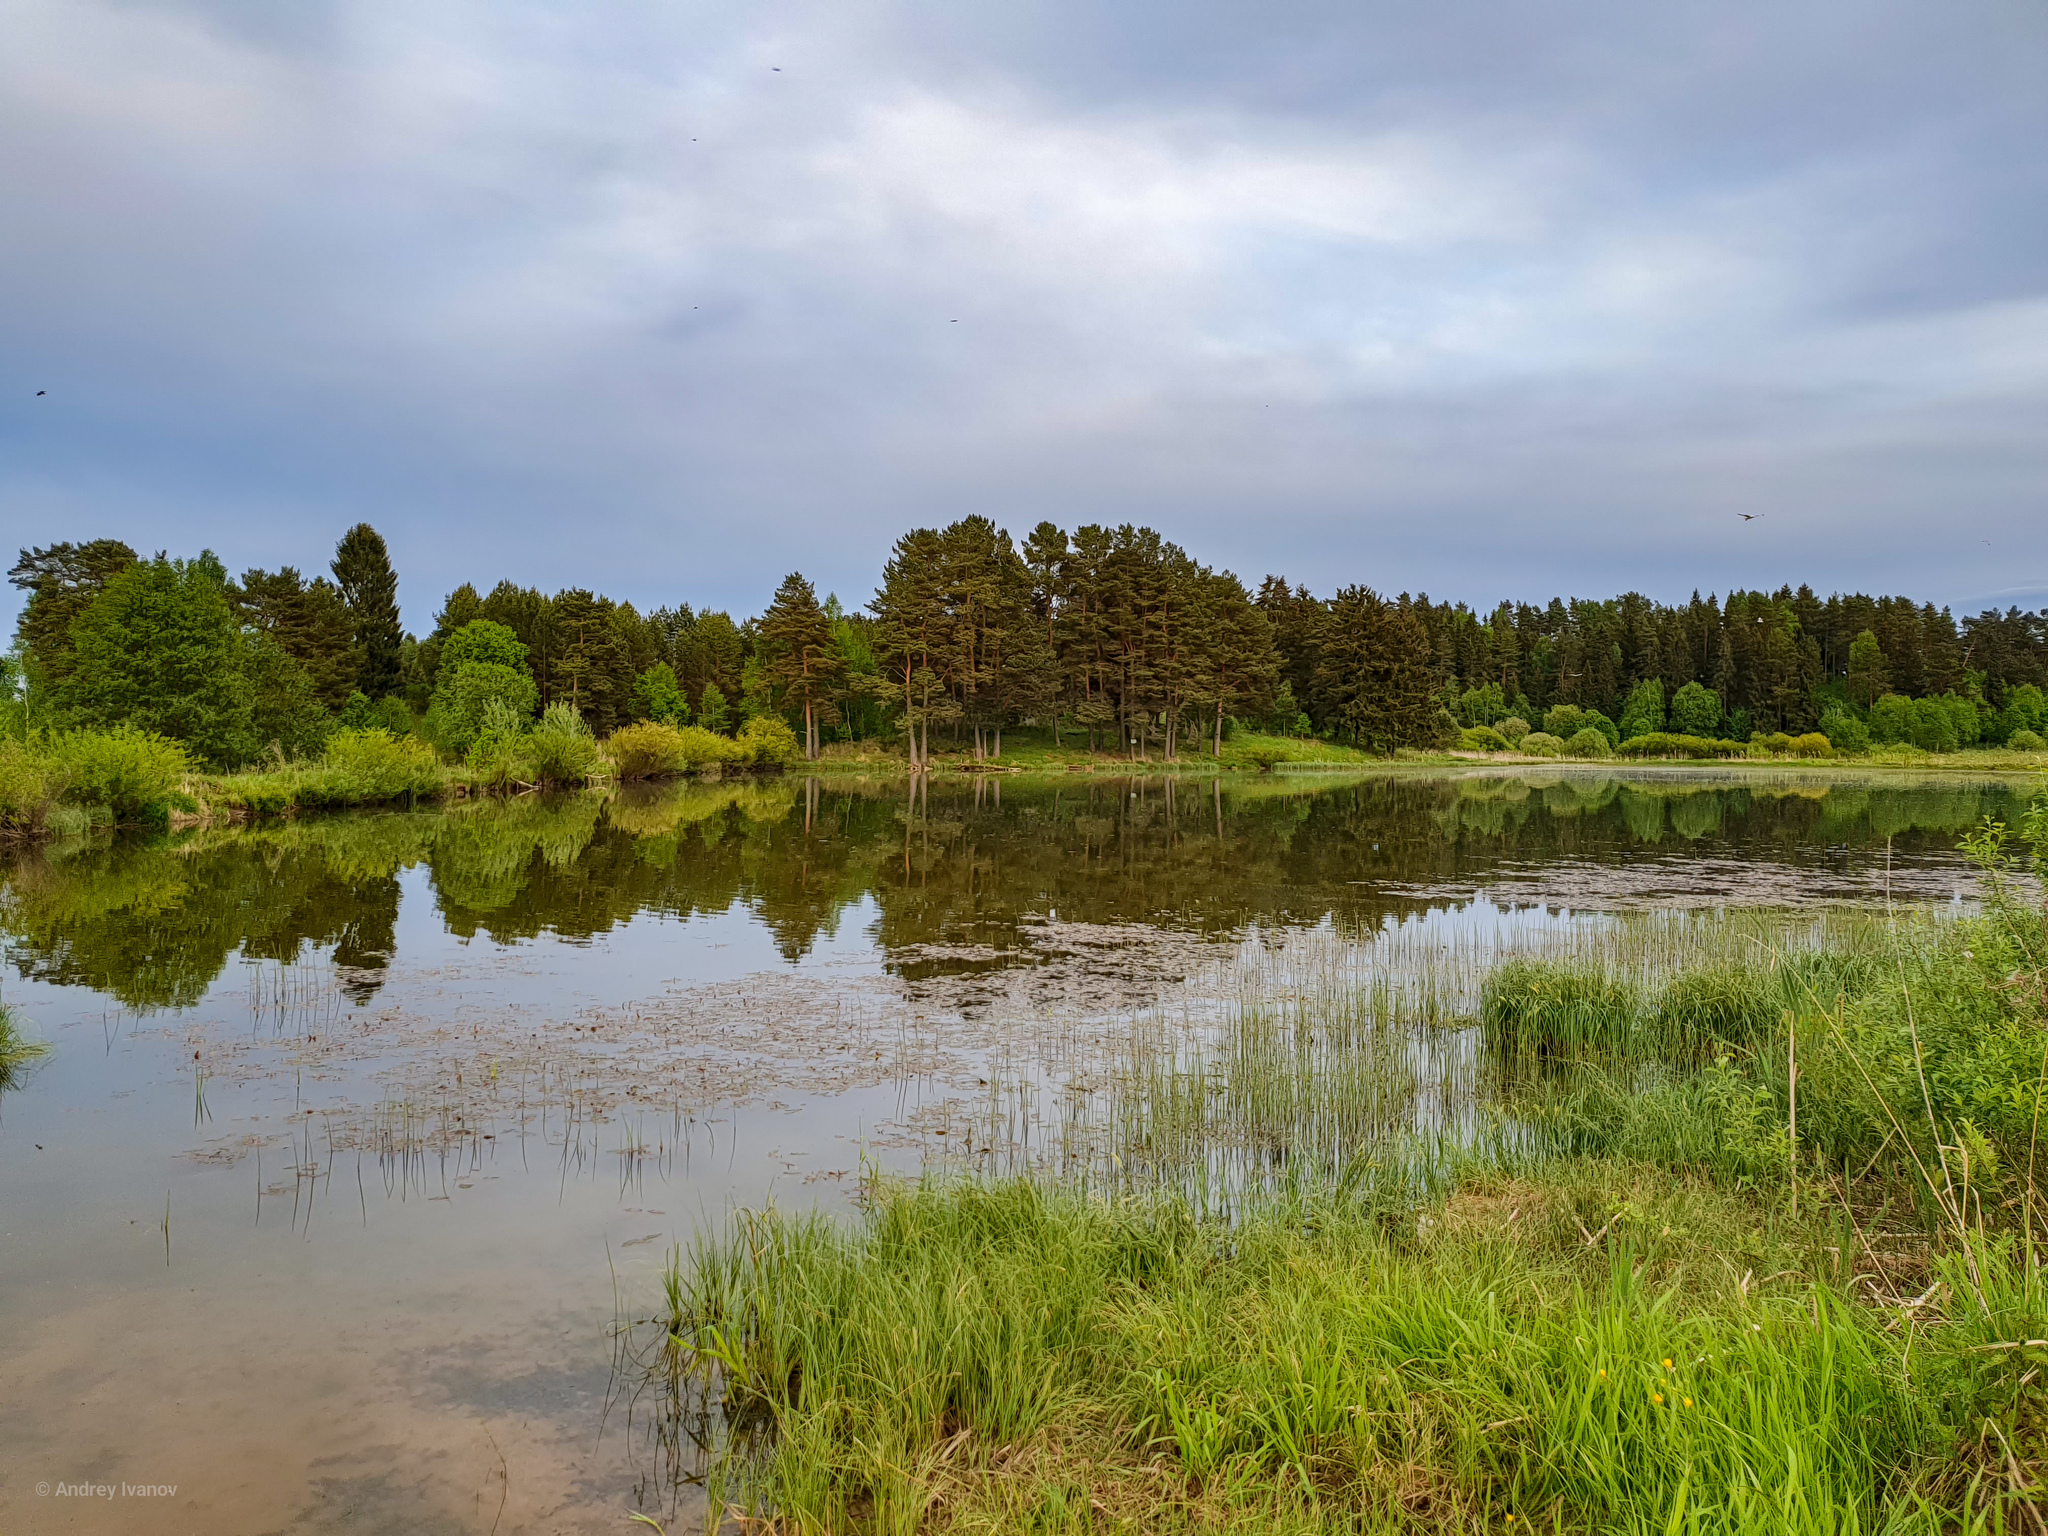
{"points": [[314, 1214]]}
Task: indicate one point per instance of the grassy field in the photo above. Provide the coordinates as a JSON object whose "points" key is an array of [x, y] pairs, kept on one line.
{"points": [[1704, 1227]]}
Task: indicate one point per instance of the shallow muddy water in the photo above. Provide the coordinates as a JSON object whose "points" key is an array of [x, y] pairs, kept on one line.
{"points": [[359, 1132]]}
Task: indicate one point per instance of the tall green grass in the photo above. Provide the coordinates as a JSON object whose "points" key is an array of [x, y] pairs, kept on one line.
{"points": [[17, 1051], [1687, 1224], [964, 1352]]}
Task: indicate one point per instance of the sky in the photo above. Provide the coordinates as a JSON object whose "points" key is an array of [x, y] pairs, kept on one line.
{"points": [[1491, 301]]}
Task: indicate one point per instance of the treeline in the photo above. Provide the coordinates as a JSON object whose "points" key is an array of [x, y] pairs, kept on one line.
{"points": [[1114, 638]]}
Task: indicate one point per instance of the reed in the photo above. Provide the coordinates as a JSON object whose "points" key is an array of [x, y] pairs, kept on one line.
{"points": [[17, 1051]]}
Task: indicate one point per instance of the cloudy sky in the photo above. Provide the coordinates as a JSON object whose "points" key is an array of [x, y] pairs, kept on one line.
{"points": [[667, 299]]}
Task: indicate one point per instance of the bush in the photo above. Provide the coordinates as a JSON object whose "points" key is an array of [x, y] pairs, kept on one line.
{"points": [[132, 773], [1643, 713], [1812, 744], [561, 750], [1666, 744], [1588, 742], [27, 786], [651, 749], [1695, 711], [1541, 744], [1770, 744], [2026, 741], [766, 740], [1514, 728], [462, 695], [1845, 733], [645, 750], [1481, 738], [373, 767]]}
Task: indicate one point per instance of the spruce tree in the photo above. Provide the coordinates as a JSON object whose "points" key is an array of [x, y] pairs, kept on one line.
{"points": [[362, 570]]}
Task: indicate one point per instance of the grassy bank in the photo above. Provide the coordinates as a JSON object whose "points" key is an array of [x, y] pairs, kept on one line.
{"points": [[1741, 1232]]}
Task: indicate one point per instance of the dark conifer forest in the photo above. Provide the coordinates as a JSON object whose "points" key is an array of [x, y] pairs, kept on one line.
{"points": [[1110, 639]]}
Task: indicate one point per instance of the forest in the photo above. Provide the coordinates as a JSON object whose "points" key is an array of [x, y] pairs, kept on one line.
{"points": [[1110, 640]]}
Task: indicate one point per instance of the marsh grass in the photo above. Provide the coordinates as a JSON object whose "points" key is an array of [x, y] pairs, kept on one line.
{"points": [[1685, 1223], [17, 1052]]}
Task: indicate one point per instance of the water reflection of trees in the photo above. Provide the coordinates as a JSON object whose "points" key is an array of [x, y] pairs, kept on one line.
{"points": [[963, 874]]}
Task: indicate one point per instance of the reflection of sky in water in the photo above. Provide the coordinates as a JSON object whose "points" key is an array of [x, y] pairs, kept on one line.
{"points": [[842, 969]]}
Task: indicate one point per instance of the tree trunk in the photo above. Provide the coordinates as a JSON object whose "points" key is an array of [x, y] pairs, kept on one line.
{"points": [[1217, 750]]}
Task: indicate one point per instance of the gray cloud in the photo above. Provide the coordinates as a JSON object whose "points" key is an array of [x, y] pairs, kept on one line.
{"points": [[1484, 301]]}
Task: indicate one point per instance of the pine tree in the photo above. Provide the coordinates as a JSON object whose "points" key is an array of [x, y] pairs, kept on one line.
{"points": [[369, 587], [308, 621], [61, 583], [800, 661]]}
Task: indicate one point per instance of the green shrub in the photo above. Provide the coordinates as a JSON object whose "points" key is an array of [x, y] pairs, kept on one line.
{"points": [[1845, 733], [1541, 744], [462, 696], [1555, 1008], [560, 749], [1770, 744], [1812, 744], [767, 740], [27, 787], [1667, 744], [373, 767], [1481, 738], [650, 749], [2026, 741], [1514, 728], [1695, 711], [1588, 742], [132, 773]]}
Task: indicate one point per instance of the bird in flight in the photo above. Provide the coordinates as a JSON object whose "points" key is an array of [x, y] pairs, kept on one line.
{"points": [[42, 392], [1749, 517]]}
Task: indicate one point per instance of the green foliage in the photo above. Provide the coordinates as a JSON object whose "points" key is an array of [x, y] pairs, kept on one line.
{"points": [[1588, 741], [1514, 728], [712, 711], [1376, 677], [561, 748], [467, 690], [285, 712], [1482, 705], [369, 590], [308, 621], [159, 649], [2026, 741], [659, 697], [373, 767], [1845, 733], [1664, 744], [767, 740], [1695, 711], [1481, 739], [493, 758], [129, 772], [358, 714], [1866, 669], [1643, 713], [650, 749], [28, 785], [1547, 1008], [484, 641], [1540, 744], [1811, 744]]}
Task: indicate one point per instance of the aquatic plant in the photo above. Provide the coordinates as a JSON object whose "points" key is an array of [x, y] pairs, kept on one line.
{"points": [[17, 1051]]}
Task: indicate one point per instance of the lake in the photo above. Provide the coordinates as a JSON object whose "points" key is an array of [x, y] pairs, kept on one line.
{"points": [[361, 1133]]}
